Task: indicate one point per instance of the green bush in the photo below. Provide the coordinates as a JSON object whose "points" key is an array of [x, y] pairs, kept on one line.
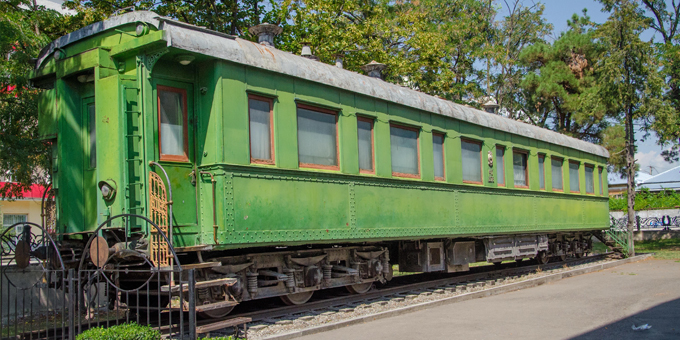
{"points": [[128, 331], [645, 200]]}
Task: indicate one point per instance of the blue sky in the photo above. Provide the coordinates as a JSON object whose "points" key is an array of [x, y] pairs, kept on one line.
{"points": [[557, 12]]}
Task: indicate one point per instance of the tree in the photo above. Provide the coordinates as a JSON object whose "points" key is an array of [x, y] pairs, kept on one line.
{"points": [[522, 27], [630, 82], [428, 45], [664, 21], [561, 88], [26, 28], [232, 17]]}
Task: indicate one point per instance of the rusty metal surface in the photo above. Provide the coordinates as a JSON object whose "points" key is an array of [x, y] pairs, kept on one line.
{"points": [[218, 45]]}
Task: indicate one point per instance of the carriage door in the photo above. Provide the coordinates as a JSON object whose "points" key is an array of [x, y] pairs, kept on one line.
{"points": [[175, 150]]}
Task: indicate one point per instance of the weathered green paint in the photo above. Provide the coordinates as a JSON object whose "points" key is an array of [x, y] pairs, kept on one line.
{"points": [[281, 204]]}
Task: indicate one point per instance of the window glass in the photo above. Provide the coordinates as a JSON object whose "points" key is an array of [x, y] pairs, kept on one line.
{"points": [[472, 161], [365, 135], [10, 219], [541, 171], [500, 165], [573, 177], [93, 135], [404, 145], [590, 184], [317, 136], [260, 130], [599, 174], [519, 169], [171, 107], [438, 151], [556, 170]]}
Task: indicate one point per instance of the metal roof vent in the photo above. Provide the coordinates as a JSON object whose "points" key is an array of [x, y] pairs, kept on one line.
{"points": [[339, 60], [307, 51], [265, 33], [374, 69]]}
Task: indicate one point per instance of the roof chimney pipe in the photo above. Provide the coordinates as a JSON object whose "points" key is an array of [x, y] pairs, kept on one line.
{"points": [[339, 60], [374, 69], [265, 33]]}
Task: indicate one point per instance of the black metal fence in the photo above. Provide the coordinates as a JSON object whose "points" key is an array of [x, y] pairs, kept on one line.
{"points": [[44, 297], [654, 223]]}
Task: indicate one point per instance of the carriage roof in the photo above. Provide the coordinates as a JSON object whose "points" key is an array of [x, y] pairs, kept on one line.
{"points": [[223, 46]]}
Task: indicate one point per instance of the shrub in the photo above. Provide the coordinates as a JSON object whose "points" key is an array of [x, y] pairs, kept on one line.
{"points": [[128, 331], [645, 200]]}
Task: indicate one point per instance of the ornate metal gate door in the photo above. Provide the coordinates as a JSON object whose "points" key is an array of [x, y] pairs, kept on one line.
{"points": [[159, 248]]}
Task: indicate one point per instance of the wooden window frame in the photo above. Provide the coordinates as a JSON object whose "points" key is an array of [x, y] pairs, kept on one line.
{"points": [[526, 168], [579, 177], [561, 172], [600, 171], [541, 156], [372, 122], [443, 135], [417, 131], [272, 154], [337, 142], [501, 163], [584, 173], [185, 132], [481, 160]]}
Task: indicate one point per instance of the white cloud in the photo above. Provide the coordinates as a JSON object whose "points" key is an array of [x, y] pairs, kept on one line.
{"points": [[655, 160]]}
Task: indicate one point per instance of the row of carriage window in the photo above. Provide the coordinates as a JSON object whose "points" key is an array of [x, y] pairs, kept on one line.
{"points": [[317, 132]]}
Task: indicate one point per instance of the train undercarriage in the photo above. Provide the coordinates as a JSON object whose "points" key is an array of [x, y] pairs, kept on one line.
{"points": [[225, 279]]}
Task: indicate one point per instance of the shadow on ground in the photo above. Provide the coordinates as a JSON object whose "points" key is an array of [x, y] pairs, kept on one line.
{"points": [[664, 319]]}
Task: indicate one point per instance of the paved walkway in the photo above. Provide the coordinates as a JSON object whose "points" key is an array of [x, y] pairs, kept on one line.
{"points": [[602, 305]]}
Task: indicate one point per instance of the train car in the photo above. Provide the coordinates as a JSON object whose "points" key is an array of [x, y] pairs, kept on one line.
{"points": [[288, 175]]}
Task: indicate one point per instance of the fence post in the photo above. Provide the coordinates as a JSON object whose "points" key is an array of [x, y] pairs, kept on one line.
{"points": [[192, 305], [72, 303], [637, 220]]}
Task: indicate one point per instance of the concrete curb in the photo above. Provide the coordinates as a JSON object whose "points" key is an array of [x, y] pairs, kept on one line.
{"points": [[458, 298]]}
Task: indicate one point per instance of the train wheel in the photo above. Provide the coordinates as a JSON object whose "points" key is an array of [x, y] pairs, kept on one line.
{"points": [[562, 258], [518, 261], [360, 288], [216, 313], [542, 257], [579, 255], [296, 298]]}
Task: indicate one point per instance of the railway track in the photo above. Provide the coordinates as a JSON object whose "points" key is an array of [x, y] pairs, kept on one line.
{"points": [[334, 300], [269, 311]]}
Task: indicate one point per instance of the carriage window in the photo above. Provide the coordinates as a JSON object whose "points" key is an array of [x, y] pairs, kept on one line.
{"points": [[590, 180], [574, 185], [541, 171], [172, 117], [404, 147], [91, 119], [500, 165], [599, 174], [261, 131], [365, 136], [438, 151], [471, 152], [317, 138], [519, 169], [556, 170]]}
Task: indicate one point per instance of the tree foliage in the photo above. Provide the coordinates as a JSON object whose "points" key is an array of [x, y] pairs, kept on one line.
{"points": [[561, 86], [25, 28]]}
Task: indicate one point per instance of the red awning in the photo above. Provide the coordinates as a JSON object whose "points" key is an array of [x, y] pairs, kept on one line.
{"points": [[36, 191]]}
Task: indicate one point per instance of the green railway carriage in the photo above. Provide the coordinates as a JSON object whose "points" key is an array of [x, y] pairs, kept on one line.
{"points": [[290, 175]]}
